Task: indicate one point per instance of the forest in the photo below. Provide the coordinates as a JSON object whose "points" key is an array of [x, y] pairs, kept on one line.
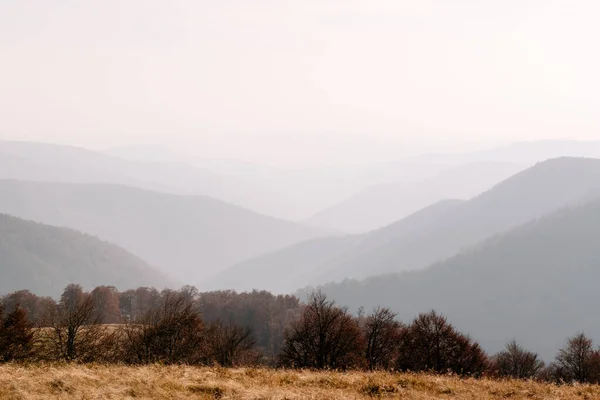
{"points": [[229, 329]]}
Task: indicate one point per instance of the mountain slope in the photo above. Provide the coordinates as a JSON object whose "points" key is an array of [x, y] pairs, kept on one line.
{"points": [[536, 283], [190, 237], [443, 230], [287, 269], [295, 194], [384, 204], [44, 259], [531, 194]]}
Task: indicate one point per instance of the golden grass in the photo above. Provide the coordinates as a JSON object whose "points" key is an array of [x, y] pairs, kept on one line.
{"points": [[177, 382]]}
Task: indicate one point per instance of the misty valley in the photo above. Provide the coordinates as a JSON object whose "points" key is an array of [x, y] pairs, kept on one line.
{"points": [[486, 266], [293, 200]]}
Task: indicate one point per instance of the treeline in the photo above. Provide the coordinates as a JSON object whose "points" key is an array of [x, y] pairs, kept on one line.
{"points": [[225, 328], [146, 325]]}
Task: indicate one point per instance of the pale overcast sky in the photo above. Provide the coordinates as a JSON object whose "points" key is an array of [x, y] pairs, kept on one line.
{"points": [[274, 79]]}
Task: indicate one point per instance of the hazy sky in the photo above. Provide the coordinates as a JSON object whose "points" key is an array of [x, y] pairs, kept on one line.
{"points": [[283, 80]]}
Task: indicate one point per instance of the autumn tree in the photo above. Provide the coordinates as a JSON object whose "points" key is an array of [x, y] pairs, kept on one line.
{"points": [[325, 336], [516, 362], [266, 314], [381, 333], [36, 307], [106, 304], [16, 335], [138, 302], [430, 343]]}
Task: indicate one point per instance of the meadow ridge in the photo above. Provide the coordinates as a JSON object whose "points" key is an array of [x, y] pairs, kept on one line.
{"points": [[56, 381]]}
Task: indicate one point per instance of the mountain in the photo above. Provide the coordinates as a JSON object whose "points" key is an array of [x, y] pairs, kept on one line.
{"points": [[528, 195], [189, 237], [443, 230], [537, 283], [525, 153], [44, 259], [286, 194], [284, 270], [287, 269], [381, 205], [293, 194], [44, 162]]}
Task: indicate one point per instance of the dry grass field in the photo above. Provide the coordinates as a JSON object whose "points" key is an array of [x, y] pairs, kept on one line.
{"points": [[160, 382]]}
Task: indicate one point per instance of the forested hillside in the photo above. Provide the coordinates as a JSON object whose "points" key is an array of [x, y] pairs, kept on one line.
{"points": [[443, 230], [307, 262], [44, 259], [534, 284], [380, 205], [187, 237], [531, 194]]}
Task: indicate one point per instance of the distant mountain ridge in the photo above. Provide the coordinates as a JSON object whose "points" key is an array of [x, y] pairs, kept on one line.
{"points": [[384, 204], [188, 237], [289, 194], [536, 283], [443, 230], [304, 263], [44, 259]]}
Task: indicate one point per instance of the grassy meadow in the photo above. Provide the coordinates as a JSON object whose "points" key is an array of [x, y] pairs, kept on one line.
{"points": [[181, 382]]}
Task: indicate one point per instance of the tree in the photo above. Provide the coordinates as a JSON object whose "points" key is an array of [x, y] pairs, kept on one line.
{"points": [[171, 334], [230, 345], [75, 333], [516, 362], [35, 307], [16, 335], [106, 304], [578, 361], [381, 333], [430, 343], [325, 336], [136, 303], [266, 314]]}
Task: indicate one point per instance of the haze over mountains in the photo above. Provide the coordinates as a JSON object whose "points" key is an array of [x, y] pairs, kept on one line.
{"points": [[404, 154], [44, 259], [303, 263], [534, 284], [142, 207], [431, 235], [381, 205], [188, 237], [283, 193]]}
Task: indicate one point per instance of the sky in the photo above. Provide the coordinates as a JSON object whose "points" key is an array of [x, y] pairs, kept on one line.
{"points": [[288, 82]]}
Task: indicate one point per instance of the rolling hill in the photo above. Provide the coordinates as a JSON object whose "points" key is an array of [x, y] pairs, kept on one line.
{"points": [[439, 232], [536, 283], [44, 259], [188, 237], [292, 194], [289, 268], [384, 204], [531, 194]]}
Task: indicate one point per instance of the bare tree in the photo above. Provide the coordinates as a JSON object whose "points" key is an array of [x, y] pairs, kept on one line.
{"points": [[430, 343], [516, 362], [173, 333], [578, 361], [74, 332], [382, 333], [325, 336], [230, 345]]}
